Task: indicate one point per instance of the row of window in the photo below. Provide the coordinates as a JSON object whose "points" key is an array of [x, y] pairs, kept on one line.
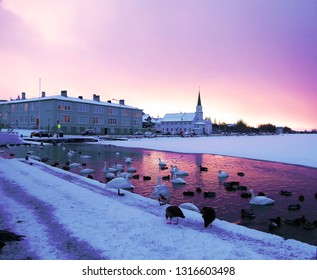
{"points": [[83, 108], [84, 120]]}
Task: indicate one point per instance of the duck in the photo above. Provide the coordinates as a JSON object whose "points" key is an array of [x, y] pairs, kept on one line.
{"points": [[161, 192], [208, 214], [136, 176], [188, 193], [260, 200], [294, 207], [189, 206], [247, 215], [209, 194], [8, 236], [241, 174], [241, 188], [173, 212], [275, 222], [301, 198], [198, 189], [296, 222], [203, 168], [285, 193], [166, 177], [222, 174], [245, 195], [310, 225], [146, 178], [120, 183]]}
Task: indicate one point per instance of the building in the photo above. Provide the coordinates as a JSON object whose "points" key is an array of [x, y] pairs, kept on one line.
{"points": [[70, 115], [187, 123]]}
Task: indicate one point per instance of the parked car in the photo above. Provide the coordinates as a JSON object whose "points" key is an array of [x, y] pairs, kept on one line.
{"points": [[89, 132], [41, 133]]}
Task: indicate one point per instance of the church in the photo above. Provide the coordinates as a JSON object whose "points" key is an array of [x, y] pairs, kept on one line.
{"points": [[187, 123]]}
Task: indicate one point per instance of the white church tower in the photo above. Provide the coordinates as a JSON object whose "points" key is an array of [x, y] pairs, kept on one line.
{"points": [[199, 109]]}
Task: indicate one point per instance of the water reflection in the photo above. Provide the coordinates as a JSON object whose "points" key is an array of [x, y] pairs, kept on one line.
{"points": [[267, 177]]}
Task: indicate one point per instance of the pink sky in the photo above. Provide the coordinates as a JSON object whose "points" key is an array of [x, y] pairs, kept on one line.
{"points": [[253, 60]]}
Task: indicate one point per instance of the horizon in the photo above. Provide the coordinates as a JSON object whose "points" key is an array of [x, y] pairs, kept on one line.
{"points": [[250, 61]]}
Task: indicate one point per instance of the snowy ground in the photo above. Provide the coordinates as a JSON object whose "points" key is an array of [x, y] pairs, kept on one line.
{"points": [[66, 216]]}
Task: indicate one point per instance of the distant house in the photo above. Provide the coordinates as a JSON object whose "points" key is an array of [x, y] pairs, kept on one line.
{"points": [[187, 123]]}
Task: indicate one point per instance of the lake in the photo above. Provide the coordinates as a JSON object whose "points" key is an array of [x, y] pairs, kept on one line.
{"points": [[261, 176]]}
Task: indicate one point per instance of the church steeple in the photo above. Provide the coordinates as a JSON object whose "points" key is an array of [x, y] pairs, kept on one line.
{"points": [[199, 108], [199, 101]]}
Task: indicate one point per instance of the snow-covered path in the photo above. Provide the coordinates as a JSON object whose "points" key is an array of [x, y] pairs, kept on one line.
{"points": [[67, 216]]}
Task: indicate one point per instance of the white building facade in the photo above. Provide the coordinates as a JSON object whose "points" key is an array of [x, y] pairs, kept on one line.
{"points": [[187, 123]]}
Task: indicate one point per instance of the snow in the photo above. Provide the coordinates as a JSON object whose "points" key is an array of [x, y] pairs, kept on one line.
{"points": [[67, 216]]}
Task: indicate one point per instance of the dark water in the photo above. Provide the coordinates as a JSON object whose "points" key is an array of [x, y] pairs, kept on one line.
{"points": [[261, 176]]}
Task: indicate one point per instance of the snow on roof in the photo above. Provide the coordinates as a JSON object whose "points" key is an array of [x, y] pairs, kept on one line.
{"points": [[68, 98], [178, 117]]}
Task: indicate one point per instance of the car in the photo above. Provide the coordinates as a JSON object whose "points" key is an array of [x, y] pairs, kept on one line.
{"points": [[89, 132], [41, 133]]}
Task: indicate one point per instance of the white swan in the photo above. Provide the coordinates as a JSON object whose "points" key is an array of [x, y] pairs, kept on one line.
{"points": [[128, 160], [161, 192], [131, 169], [119, 183], [222, 174], [162, 163], [260, 200], [177, 172], [178, 180], [86, 170], [110, 169], [85, 157], [74, 164], [189, 206]]}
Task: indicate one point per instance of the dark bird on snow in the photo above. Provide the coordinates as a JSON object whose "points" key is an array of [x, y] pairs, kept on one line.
{"points": [[174, 212], [208, 214], [8, 236]]}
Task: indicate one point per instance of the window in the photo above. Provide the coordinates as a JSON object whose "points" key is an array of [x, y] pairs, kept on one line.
{"points": [[97, 120], [99, 110], [126, 112], [112, 111], [136, 114], [112, 121], [63, 106], [125, 122], [64, 118], [82, 120], [26, 106], [82, 108], [136, 123]]}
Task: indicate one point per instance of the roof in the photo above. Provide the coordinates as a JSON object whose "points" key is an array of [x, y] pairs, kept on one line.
{"points": [[71, 99], [178, 117]]}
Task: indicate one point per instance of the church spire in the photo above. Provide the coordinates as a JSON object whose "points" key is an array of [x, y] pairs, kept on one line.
{"points": [[199, 101]]}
